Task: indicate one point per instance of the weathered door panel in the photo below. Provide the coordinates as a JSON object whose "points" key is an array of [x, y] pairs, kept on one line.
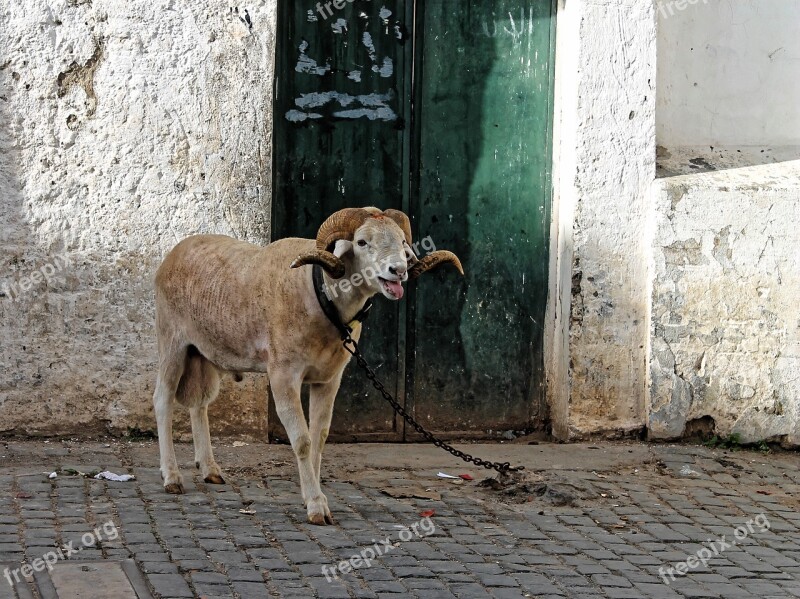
{"points": [[339, 132], [484, 131]]}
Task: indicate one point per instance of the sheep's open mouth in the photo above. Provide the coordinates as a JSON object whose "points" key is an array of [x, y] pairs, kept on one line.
{"points": [[393, 288]]}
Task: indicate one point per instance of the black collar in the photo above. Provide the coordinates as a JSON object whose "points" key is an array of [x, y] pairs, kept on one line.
{"points": [[329, 308]]}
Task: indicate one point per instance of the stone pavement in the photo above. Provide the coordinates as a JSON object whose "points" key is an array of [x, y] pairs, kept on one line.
{"points": [[588, 521]]}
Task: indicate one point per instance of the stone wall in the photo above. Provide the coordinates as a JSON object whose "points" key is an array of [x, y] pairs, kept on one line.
{"points": [[124, 127]]}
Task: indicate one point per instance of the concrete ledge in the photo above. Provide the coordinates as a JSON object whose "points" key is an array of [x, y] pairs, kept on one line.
{"points": [[725, 320]]}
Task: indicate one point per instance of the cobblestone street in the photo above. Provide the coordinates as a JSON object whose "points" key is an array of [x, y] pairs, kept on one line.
{"points": [[587, 521]]}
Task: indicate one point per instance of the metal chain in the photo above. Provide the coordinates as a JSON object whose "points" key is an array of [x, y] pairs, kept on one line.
{"points": [[351, 347]]}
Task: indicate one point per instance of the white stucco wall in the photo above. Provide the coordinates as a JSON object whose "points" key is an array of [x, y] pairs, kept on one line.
{"points": [[605, 163], [728, 73], [125, 126], [671, 300], [726, 320]]}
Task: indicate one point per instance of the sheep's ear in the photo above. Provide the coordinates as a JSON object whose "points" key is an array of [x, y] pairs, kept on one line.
{"points": [[342, 247]]}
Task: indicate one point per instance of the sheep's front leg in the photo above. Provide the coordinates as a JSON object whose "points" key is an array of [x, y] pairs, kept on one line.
{"points": [[320, 407], [286, 391]]}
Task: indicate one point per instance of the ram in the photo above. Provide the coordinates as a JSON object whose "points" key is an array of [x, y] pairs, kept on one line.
{"points": [[224, 306]]}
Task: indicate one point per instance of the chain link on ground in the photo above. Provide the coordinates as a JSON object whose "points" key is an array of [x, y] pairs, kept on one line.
{"points": [[352, 348]]}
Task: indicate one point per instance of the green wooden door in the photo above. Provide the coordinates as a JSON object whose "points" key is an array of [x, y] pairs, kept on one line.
{"points": [[471, 166]]}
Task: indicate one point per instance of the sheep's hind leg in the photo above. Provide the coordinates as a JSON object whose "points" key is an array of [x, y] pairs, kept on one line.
{"points": [[203, 452], [286, 392], [171, 365], [199, 387]]}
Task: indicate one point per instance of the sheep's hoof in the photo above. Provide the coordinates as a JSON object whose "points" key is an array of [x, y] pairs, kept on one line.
{"points": [[318, 512], [320, 519], [214, 479], [174, 488]]}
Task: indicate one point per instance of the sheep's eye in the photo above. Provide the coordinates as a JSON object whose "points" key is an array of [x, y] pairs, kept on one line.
{"points": [[362, 243]]}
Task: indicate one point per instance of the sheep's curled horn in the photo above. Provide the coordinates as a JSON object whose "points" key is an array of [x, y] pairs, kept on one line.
{"points": [[344, 224]]}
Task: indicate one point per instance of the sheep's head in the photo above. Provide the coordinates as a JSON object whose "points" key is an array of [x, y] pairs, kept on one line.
{"points": [[376, 245]]}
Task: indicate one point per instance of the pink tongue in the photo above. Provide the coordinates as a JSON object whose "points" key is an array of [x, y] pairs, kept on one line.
{"points": [[396, 288]]}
